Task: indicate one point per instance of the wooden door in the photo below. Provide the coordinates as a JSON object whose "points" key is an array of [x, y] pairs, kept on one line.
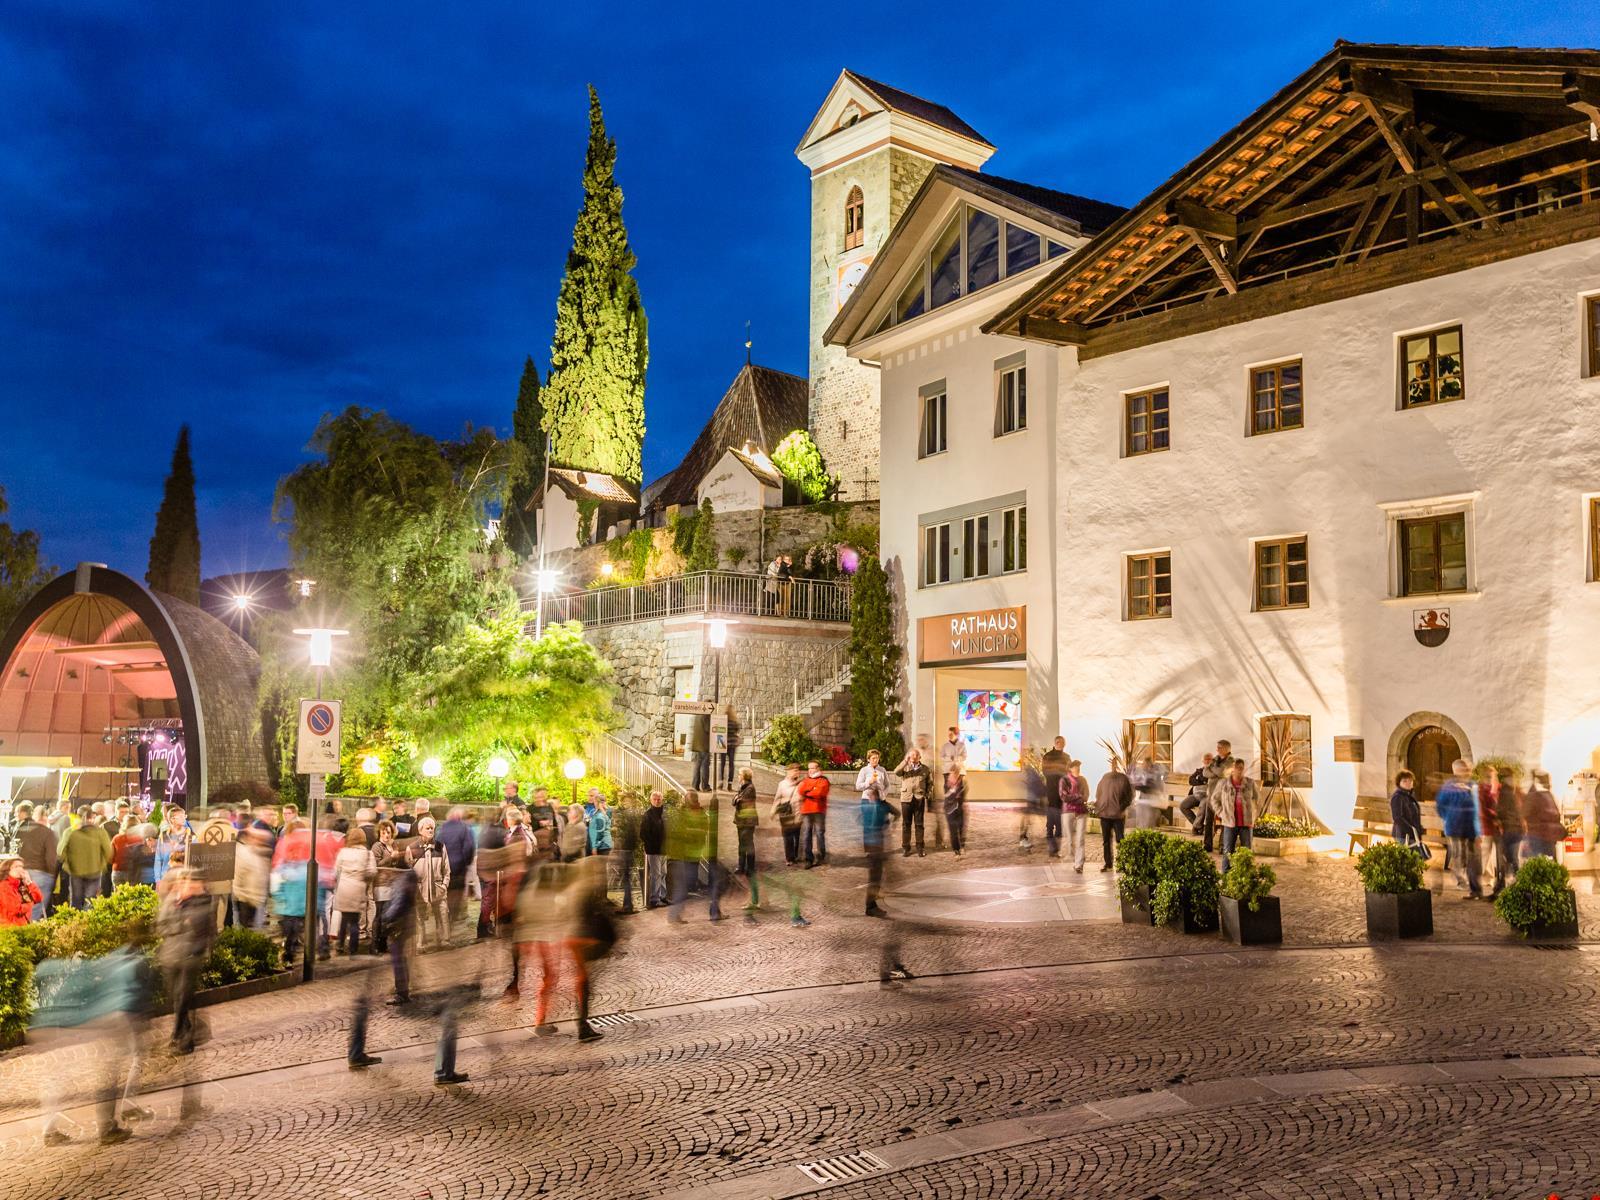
{"points": [[1429, 756]]}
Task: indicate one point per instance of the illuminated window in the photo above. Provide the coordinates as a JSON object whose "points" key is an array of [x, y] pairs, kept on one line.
{"points": [[1282, 579], [1011, 400], [855, 207], [932, 438], [1433, 555], [1431, 368], [1149, 586], [1277, 399], [1150, 737]]}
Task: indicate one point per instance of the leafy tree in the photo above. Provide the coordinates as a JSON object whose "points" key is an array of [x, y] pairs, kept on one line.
{"points": [[389, 523], [175, 546], [493, 689], [21, 573], [875, 717], [703, 550], [594, 399], [800, 462], [527, 467]]}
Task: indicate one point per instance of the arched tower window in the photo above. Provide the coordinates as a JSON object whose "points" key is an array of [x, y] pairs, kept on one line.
{"points": [[854, 218]]}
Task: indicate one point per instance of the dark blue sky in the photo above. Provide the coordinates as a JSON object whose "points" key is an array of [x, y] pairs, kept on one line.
{"points": [[245, 216]]}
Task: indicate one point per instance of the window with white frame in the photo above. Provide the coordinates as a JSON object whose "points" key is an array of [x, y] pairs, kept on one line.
{"points": [[974, 541], [1014, 539], [1010, 396], [932, 437], [975, 546]]}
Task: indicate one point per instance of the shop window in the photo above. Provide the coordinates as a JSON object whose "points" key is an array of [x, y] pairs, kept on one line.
{"points": [[935, 555], [1433, 555], [855, 207], [975, 547], [1150, 737], [1146, 423], [990, 723], [1285, 750], [1277, 398], [1014, 539], [1011, 400], [1282, 576], [932, 438], [1431, 368], [1149, 586]]}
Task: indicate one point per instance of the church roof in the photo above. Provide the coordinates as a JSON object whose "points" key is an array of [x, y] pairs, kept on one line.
{"points": [[761, 407], [1090, 215], [915, 106]]}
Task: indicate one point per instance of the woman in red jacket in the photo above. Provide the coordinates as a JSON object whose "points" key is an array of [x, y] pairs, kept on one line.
{"points": [[18, 894]]}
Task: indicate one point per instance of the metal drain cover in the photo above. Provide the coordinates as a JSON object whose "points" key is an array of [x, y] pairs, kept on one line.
{"points": [[843, 1167], [616, 1018]]}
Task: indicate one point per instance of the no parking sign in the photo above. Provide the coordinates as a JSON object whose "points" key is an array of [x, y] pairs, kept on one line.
{"points": [[317, 749]]}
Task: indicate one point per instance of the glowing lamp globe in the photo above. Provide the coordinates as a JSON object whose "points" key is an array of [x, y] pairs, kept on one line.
{"points": [[499, 768], [432, 768], [574, 769], [370, 765]]}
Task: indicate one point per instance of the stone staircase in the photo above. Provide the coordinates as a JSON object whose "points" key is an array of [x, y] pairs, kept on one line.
{"points": [[821, 696]]}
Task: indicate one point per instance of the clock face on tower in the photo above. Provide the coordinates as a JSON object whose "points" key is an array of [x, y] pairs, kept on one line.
{"points": [[850, 274]]}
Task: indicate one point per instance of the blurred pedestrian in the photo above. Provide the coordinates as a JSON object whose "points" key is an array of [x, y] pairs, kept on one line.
{"points": [[1055, 787], [252, 870], [1075, 811], [431, 865], [916, 784], [85, 857], [90, 1006], [1508, 814], [786, 808], [745, 820], [700, 748], [354, 869], [1237, 801], [1542, 828], [19, 895], [653, 840], [288, 895], [575, 834], [955, 809], [1149, 795], [188, 927], [455, 835], [688, 846], [813, 791], [1215, 770], [400, 929], [1033, 797], [600, 834], [876, 813], [36, 846], [1457, 802], [1112, 797], [173, 835]]}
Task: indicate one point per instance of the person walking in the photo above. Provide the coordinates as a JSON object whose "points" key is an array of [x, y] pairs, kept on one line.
{"points": [[813, 791], [653, 841], [430, 863], [461, 848], [689, 845], [36, 847], [955, 809], [188, 928], [876, 813], [354, 869], [745, 820], [1075, 811], [1406, 813], [1113, 795], [700, 748], [1149, 795], [19, 895], [1509, 811], [916, 782], [1542, 828], [1457, 802], [252, 870], [1237, 801], [786, 808], [400, 927], [85, 857], [1032, 797]]}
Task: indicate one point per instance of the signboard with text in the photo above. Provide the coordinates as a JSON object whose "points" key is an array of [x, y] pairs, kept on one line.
{"points": [[693, 708], [983, 635], [317, 747]]}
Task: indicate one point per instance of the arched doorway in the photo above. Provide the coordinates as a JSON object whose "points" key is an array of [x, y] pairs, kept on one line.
{"points": [[1429, 755]]}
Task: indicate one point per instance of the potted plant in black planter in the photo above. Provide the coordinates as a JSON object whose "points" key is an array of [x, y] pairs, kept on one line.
{"points": [[1540, 903], [1186, 887], [1398, 906], [1250, 913], [1136, 874]]}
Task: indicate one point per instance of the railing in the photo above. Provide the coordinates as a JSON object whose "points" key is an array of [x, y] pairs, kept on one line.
{"points": [[610, 755], [723, 593], [817, 677]]}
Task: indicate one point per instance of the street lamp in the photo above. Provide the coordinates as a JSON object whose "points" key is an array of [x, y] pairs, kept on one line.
{"points": [[499, 768], [574, 770], [544, 582], [370, 765], [319, 652], [432, 768], [607, 569]]}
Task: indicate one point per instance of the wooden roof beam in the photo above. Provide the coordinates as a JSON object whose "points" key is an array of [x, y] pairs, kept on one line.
{"points": [[1377, 87], [1213, 256], [1582, 92], [1202, 219], [1059, 333]]}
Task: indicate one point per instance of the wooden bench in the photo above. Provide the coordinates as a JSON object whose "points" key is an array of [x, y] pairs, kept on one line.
{"points": [[1376, 823]]}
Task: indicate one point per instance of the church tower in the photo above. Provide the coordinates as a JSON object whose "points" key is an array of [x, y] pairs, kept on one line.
{"points": [[868, 149]]}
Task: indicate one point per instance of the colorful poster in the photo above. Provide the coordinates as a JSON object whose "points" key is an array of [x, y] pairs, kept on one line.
{"points": [[990, 723]]}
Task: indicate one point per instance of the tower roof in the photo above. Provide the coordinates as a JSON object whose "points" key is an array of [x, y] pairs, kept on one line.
{"points": [[896, 100]]}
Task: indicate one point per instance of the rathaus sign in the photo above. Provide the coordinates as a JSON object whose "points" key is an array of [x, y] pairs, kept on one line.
{"points": [[986, 635]]}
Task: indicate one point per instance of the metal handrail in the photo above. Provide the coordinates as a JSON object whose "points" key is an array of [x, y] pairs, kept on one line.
{"points": [[724, 593], [609, 755]]}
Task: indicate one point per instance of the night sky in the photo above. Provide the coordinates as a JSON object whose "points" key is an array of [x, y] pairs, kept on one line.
{"points": [[245, 216]]}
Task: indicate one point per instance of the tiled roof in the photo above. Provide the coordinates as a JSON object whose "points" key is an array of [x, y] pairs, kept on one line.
{"points": [[1091, 215], [590, 485], [763, 471], [761, 407], [916, 106]]}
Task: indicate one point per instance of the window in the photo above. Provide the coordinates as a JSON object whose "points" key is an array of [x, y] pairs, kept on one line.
{"points": [[1433, 555], [1285, 750], [855, 208], [1430, 368], [1147, 429], [1149, 586], [944, 265], [974, 251], [1281, 577], [1591, 325], [932, 439], [910, 303], [1056, 249], [1150, 737], [1011, 400], [983, 249], [975, 547], [1014, 539], [935, 555], [1022, 249], [1276, 398]]}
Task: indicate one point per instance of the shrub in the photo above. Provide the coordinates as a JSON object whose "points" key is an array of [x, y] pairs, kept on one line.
{"points": [[788, 740], [1390, 868], [838, 758], [16, 985], [240, 955], [1245, 881], [1285, 827], [799, 461], [127, 914], [1186, 881], [1541, 892], [1136, 861]]}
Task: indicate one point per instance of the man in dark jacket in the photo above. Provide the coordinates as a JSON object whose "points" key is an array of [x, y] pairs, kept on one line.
{"points": [[653, 840], [188, 927], [1113, 795], [1406, 812], [36, 846], [455, 835]]}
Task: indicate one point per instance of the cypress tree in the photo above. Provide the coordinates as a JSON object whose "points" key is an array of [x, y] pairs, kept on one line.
{"points": [[875, 716], [703, 550], [527, 435], [175, 547], [594, 398]]}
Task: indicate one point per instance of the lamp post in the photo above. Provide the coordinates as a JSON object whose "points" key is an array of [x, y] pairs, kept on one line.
{"points": [[545, 583], [319, 649], [717, 634], [498, 769], [574, 770]]}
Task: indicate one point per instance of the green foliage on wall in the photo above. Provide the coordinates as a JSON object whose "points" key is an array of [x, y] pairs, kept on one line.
{"points": [[800, 462], [703, 550]]}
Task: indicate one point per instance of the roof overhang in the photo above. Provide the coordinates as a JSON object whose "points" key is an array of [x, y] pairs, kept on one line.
{"points": [[827, 144]]}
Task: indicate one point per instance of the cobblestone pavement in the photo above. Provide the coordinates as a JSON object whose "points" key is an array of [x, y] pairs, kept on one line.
{"points": [[818, 1063]]}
